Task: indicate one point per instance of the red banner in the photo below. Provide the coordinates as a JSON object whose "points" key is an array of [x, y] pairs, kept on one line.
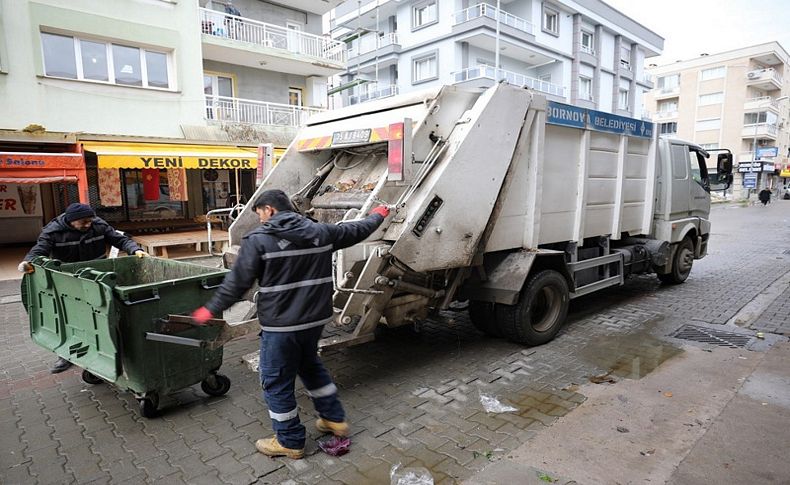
{"points": [[151, 184]]}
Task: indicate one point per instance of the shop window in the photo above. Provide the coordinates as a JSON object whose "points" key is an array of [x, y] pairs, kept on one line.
{"points": [[89, 60], [141, 209]]}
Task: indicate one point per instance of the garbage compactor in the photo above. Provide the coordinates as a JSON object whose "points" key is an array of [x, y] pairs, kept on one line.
{"points": [[124, 321]]}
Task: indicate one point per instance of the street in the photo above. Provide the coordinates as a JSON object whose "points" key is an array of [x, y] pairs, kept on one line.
{"points": [[646, 382]]}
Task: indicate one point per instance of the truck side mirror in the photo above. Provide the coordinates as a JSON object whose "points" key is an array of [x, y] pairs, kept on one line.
{"points": [[724, 163]]}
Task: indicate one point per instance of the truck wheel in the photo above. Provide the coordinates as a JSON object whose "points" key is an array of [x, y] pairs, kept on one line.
{"points": [[148, 405], [215, 385], [90, 378], [540, 312], [681, 263], [483, 317]]}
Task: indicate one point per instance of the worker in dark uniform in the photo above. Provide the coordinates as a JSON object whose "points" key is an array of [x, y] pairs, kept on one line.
{"points": [[74, 236], [291, 257]]}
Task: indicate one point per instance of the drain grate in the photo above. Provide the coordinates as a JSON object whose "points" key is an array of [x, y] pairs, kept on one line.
{"points": [[712, 336]]}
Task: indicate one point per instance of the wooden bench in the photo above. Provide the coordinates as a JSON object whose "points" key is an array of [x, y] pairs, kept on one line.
{"points": [[150, 242]]}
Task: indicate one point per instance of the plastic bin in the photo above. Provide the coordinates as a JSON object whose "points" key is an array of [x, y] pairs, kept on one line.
{"points": [[110, 316]]}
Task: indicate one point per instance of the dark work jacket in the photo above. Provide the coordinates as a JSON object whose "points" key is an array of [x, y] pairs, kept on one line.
{"points": [[291, 257], [61, 241]]}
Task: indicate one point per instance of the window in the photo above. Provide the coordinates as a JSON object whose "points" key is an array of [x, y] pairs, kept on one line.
{"points": [[668, 128], [423, 14], [625, 58], [88, 60], [140, 209], [761, 117], [424, 69], [295, 96], [714, 73], [551, 20], [698, 168], [668, 83], [623, 99], [666, 107], [217, 88], [712, 98], [587, 42], [711, 124], [585, 88]]}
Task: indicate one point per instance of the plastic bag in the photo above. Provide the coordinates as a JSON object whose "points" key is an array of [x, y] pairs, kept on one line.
{"points": [[410, 476], [335, 446], [492, 405]]}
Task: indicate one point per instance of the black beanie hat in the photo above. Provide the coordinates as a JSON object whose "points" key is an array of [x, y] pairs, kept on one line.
{"points": [[78, 211]]}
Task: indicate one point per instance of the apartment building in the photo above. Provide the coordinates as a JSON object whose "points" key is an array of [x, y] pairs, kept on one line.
{"points": [[736, 100], [100, 99], [578, 51]]}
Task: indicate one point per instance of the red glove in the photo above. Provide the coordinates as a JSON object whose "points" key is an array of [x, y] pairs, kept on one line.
{"points": [[202, 315], [381, 210]]}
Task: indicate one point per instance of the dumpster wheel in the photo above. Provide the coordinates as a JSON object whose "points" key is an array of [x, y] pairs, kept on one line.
{"points": [[148, 404], [215, 385], [90, 378]]}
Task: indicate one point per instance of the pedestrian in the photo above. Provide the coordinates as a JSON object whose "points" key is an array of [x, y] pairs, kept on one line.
{"points": [[74, 236], [765, 196], [290, 256]]}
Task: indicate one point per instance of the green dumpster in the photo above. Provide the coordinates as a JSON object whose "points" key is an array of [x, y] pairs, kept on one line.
{"points": [[110, 317]]}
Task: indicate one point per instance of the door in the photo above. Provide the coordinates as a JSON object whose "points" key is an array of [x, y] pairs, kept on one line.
{"points": [[699, 185], [294, 36], [679, 200], [219, 91]]}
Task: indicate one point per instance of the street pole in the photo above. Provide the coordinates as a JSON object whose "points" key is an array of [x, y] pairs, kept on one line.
{"points": [[496, 44]]}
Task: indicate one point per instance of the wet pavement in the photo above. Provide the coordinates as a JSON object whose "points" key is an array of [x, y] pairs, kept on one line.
{"points": [[413, 397]]}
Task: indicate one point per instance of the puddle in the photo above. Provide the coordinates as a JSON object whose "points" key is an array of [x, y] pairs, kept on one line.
{"points": [[631, 356]]}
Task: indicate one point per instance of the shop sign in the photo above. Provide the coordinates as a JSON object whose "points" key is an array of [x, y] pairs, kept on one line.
{"points": [[767, 152], [188, 161], [20, 200], [750, 166], [750, 181], [14, 160]]}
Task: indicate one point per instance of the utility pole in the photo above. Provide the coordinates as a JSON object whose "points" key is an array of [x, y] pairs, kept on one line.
{"points": [[496, 44]]}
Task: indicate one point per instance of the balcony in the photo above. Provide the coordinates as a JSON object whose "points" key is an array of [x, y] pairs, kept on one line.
{"points": [[586, 49], [667, 92], [489, 73], [761, 103], [372, 42], [484, 10], [247, 42], [759, 130], [766, 79], [384, 92], [665, 115], [248, 111]]}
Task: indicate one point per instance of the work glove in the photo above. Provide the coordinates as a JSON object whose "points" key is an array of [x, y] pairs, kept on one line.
{"points": [[25, 267], [381, 210], [140, 253], [202, 315]]}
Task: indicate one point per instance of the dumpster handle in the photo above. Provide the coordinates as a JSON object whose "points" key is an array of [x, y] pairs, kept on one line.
{"points": [[155, 297], [204, 284]]}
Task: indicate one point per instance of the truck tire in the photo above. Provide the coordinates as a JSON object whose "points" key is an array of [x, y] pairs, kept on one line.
{"points": [[483, 317], [681, 263], [540, 312]]}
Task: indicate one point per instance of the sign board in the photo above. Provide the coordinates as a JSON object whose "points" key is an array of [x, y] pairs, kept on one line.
{"points": [[785, 171], [351, 137], [767, 152], [768, 167], [750, 181], [750, 166], [18, 160], [20, 200], [576, 117]]}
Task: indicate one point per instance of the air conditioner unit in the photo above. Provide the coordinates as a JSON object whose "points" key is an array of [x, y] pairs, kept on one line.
{"points": [[752, 75]]}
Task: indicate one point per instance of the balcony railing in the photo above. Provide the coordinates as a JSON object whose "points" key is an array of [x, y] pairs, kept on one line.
{"points": [[372, 42], [647, 78], [486, 10], [251, 31], [488, 72], [759, 129], [625, 64], [384, 92], [764, 75], [761, 102], [667, 114], [238, 110], [587, 49]]}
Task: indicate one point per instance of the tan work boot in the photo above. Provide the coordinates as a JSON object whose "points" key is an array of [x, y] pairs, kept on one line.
{"points": [[337, 429], [272, 447]]}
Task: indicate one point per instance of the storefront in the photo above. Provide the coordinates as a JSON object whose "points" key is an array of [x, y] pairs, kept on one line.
{"points": [[155, 186], [35, 187]]}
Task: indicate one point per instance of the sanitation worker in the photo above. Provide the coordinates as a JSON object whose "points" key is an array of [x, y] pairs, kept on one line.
{"points": [[290, 256], [74, 236]]}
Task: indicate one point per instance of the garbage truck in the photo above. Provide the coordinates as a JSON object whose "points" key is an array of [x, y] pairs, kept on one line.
{"points": [[502, 197]]}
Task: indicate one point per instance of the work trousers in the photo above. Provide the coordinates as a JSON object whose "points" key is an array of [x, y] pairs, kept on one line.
{"points": [[284, 355]]}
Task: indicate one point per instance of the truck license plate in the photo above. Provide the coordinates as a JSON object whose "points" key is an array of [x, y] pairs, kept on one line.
{"points": [[350, 137]]}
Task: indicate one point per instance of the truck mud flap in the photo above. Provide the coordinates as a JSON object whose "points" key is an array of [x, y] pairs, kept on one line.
{"points": [[503, 278]]}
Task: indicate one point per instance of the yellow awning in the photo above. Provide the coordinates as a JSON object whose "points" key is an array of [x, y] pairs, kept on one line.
{"points": [[160, 155]]}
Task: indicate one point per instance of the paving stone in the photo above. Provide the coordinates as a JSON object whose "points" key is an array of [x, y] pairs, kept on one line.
{"points": [[157, 468], [226, 465], [122, 470]]}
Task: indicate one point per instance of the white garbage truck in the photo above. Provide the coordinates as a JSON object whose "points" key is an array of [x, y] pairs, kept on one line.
{"points": [[501, 197]]}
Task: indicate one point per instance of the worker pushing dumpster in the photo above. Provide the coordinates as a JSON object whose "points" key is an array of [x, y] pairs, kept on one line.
{"points": [[118, 319]]}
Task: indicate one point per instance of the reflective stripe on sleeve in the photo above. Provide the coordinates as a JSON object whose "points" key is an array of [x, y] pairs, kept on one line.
{"points": [[284, 416], [324, 391]]}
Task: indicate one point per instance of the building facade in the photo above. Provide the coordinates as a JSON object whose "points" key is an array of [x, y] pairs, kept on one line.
{"points": [[577, 51], [180, 92], [736, 100]]}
